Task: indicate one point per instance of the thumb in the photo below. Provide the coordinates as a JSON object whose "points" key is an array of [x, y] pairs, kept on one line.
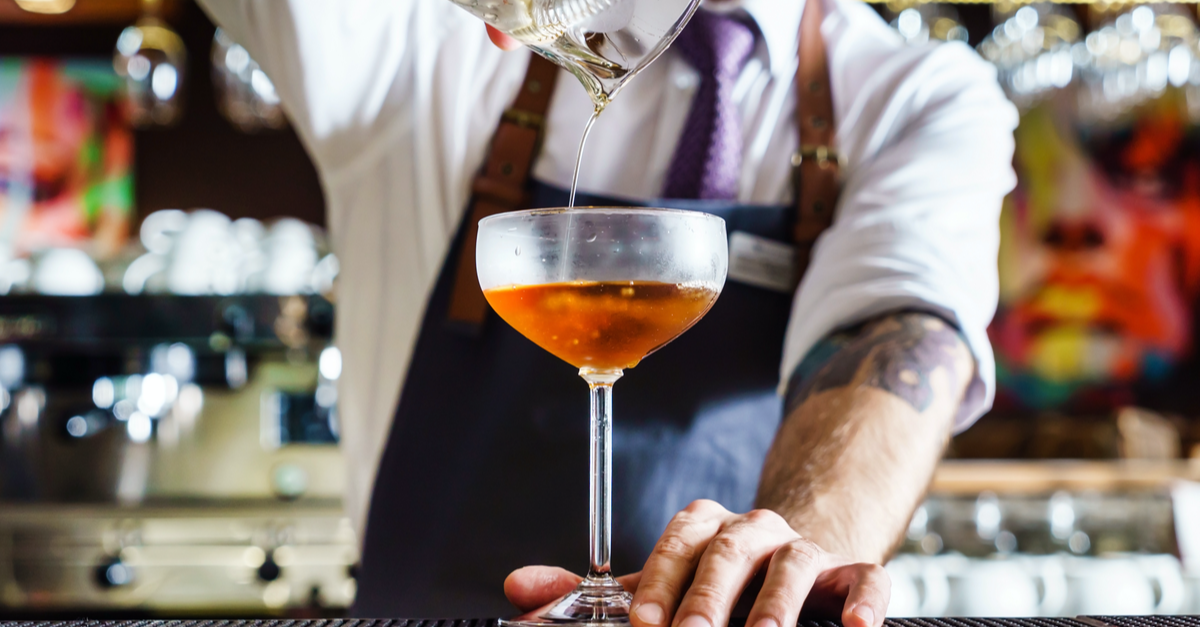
{"points": [[534, 586], [502, 41]]}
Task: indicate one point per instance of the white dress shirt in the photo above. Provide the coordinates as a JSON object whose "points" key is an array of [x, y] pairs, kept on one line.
{"points": [[396, 101]]}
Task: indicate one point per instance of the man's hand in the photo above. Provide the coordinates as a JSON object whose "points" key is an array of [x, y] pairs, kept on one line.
{"points": [[708, 556], [720, 552]]}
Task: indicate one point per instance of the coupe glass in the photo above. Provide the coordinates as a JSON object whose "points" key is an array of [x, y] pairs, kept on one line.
{"points": [[600, 288]]}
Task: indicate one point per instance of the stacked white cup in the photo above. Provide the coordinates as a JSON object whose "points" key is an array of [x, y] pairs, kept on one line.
{"points": [[1045, 585]]}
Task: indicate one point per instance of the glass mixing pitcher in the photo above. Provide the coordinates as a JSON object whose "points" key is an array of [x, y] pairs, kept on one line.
{"points": [[603, 43]]}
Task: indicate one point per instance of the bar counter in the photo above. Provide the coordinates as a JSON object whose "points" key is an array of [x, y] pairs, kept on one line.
{"points": [[1081, 621]]}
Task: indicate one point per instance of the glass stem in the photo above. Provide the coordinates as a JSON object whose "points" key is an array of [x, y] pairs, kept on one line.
{"points": [[600, 483]]}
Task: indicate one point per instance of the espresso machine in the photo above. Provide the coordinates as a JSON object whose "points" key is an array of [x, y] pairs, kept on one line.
{"points": [[169, 453]]}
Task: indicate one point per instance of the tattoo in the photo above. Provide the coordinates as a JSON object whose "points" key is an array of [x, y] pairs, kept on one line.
{"points": [[896, 353]]}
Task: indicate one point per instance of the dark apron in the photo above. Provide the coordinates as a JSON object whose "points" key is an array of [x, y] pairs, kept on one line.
{"points": [[486, 465]]}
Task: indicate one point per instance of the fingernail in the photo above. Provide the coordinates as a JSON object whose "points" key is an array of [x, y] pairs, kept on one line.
{"points": [[695, 621], [866, 614], [766, 622], [649, 613]]}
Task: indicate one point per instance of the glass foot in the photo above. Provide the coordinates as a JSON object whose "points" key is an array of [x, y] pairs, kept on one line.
{"points": [[596, 602]]}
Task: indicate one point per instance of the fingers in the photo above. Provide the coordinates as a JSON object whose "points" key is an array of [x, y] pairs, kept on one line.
{"points": [[859, 593], [673, 561], [707, 555], [733, 557], [534, 586], [630, 582], [870, 592], [790, 577], [502, 41]]}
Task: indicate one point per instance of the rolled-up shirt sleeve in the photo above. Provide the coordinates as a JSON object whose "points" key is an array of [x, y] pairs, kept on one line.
{"points": [[917, 225]]}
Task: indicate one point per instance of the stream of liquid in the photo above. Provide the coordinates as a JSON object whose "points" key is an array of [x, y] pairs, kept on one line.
{"points": [[604, 43], [587, 130]]}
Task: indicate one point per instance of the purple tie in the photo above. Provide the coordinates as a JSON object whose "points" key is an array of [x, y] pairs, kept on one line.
{"points": [[708, 160]]}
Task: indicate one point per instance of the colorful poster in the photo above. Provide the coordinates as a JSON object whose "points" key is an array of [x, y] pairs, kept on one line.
{"points": [[1100, 260], [66, 154]]}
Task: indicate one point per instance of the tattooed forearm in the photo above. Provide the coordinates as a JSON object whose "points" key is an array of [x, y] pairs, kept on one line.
{"points": [[869, 412], [896, 353]]}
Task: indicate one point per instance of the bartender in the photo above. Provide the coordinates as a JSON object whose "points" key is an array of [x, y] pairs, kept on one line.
{"points": [[789, 435]]}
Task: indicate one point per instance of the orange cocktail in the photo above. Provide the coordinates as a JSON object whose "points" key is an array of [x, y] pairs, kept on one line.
{"points": [[606, 325]]}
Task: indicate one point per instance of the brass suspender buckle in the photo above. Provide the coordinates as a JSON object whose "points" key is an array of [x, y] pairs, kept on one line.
{"points": [[823, 155], [524, 119]]}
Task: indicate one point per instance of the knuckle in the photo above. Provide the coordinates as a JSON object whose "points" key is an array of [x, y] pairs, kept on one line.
{"points": [[763, 517], [682, 524], [681, 518], [731, 547], [675, 547], [705, 598], [659, 590], [780, 599], [703, 506], [800, 552], [874, 573], [874, 570]]}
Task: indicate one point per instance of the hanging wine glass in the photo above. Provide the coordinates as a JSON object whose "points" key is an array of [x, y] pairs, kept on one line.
{"points": [[1036, 51], [921, 23], [245, 94], [1136, 58], [152, 59]]}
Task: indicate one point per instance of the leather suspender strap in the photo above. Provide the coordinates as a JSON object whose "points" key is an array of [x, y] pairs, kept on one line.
{"points": [[502, 183], [815, 165]]}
